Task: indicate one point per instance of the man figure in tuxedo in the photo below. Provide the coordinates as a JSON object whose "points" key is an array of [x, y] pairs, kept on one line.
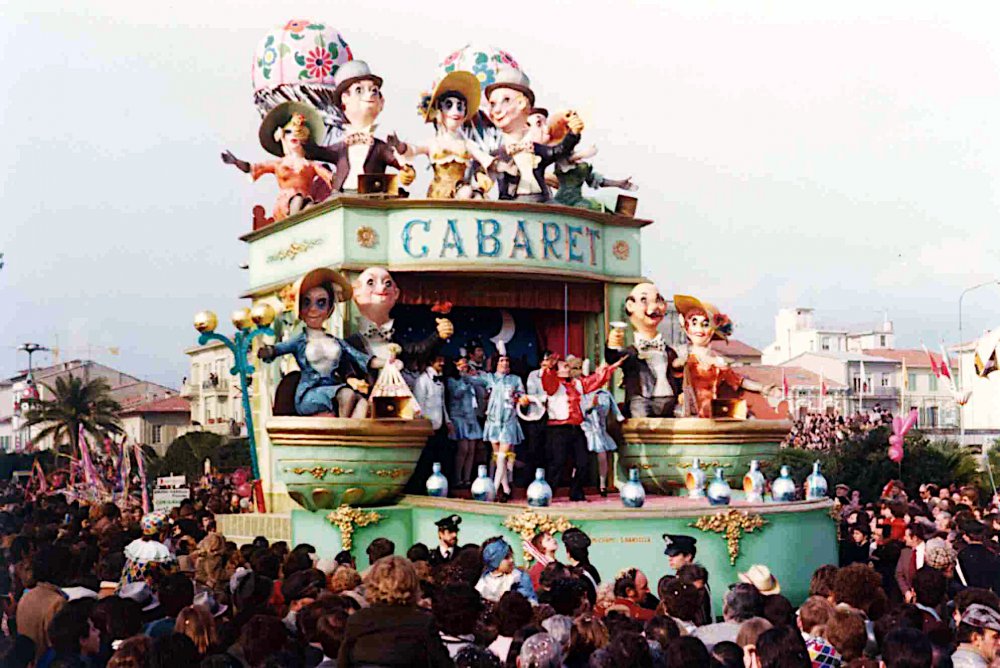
{"points": [[652, 385], [429, 393]]}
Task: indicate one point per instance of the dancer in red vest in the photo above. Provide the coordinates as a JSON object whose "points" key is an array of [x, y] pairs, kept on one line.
{"points": [[566, 386]]}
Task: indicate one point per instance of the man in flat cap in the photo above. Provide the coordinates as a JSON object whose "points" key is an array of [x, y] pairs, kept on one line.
{"points": [[978, 635], [447, 541]]}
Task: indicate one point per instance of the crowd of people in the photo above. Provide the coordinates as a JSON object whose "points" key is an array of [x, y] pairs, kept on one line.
{"points": [[821, 431], [90, 586]]}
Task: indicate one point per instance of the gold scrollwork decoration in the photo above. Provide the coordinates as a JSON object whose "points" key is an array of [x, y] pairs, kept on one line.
{"points": [[348, 519], [320, 472], [705, 465], [395, 474], [732, 524], [294, 249], [530, 523]]}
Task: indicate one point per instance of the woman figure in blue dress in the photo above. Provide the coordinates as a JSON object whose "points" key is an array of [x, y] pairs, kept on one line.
{"points": [[462, 410], [326, 362], [502, 429], [596, 407]]}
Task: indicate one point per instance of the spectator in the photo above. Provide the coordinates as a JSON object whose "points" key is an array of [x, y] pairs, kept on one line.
{"points": [[512, 612], [743, 602], [907, 648], [73, 636], [39, 605], [132, 653], [392, 626], [977, 637], [456, 610], [500, 576], [847, 633], [330, 632], [197, 624], [586, 637], [781, 647], [687, 651], [540, 651]]}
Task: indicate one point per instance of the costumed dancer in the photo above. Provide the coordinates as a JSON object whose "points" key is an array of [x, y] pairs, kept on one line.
{"points": [[358, 94], [286, 131], [533, 449], [429, 393], [566, 388], [447, 547], [500, 576], [521, 162], [652, 379], [452, 154], [147, 557], [570, 174], [705, 371], [502, 429], [597, 406], [375, 295], [332, 369], [462, 406]]}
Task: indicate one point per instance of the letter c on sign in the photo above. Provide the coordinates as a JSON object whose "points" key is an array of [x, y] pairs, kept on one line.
{"points": [[407, 237]]}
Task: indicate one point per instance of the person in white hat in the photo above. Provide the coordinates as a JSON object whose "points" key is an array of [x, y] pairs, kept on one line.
{"points": [[520, 163], [358, 94], [760, 577]]}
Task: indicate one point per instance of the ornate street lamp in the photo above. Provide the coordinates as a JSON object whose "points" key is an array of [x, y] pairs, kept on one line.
{"points": [[244, 319]]}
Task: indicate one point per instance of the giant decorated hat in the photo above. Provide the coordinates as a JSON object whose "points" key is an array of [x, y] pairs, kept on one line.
{"points": [[482, 60], [279, 117], [458, 81], [299, 53]]}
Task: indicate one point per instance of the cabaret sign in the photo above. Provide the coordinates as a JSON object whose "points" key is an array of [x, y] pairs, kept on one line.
{"points": [[481, 237]]}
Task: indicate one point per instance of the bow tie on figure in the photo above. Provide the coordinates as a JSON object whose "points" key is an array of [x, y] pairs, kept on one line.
{"points": [[359, 138], [646, 346], [385, 332]]}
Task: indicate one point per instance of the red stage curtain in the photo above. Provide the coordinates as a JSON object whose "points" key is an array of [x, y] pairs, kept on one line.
{"points": [[550, 327], [525, 293]]}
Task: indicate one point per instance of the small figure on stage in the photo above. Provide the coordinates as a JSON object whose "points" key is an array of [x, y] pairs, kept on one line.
{"points": [[532, 450], [286, 131], [462, 406], [375, 295], [333, 370], [521, 162], [705, 371], [358, 94], [566, 388], [429, 391], [597, 406], [652, 381], [447, 547], [502, 429]]}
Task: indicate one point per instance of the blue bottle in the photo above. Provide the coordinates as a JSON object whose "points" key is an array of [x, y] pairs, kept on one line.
{"points": [[482, 486], [437, 484], [539, 492], [783, 489], [816, 485], [632, 494], [719, 493]]}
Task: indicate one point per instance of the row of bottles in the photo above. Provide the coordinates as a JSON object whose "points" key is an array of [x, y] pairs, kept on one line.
{"points": [[782, 489], [633, 495]]}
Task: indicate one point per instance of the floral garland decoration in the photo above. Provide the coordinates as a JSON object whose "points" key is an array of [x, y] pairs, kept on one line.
{"points": [[732, 524], [347, 519], [529, 524]]}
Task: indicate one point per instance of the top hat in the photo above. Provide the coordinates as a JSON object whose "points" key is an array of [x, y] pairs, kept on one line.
{"points": [[461, 82], [279, 117], [508, 77], [675, 544], [318, 277], [350, 72], [449, 523]]}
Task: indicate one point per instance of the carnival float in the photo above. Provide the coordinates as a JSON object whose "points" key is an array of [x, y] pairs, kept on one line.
{"points": [[361, 284]]}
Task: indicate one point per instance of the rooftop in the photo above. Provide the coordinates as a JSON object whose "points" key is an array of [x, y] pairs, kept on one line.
{"points": [[164, 405], [794, 375], [735, 348], [913, 358]]}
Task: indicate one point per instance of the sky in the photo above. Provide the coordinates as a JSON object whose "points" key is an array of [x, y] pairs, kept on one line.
{"points": [[840, 156]]}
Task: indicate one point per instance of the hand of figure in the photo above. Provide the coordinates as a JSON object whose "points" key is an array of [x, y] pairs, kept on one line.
{"points": [[628, 185], [575, 122], [407, 174], [231, 159], [396, 144], [358, 384], [619, 362], [265, 353], [445, 329], [483, 182], [523, 400], [616, 339]]}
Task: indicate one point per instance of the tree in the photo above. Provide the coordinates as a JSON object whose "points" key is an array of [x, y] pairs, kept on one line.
{"points": [[75, 403], [187, 454]]}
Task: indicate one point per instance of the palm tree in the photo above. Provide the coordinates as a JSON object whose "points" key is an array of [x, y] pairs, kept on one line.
{"points": [[75, 403]]}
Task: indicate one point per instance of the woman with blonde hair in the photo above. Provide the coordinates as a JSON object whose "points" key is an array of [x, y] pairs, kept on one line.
{"points": [[392, 626], [132, 653], [197, 623]]}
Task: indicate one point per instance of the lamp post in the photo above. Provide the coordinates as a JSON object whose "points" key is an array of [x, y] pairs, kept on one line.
{"points": [[244, 319], [961, 340], [31, 349]]}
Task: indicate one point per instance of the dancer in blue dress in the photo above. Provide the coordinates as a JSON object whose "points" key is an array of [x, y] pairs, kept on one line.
{"points": [[597, 406], [462, 409], [502, 429]]}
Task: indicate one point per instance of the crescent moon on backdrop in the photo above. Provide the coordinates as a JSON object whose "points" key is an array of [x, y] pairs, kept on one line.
{"points": [[507, 328]]}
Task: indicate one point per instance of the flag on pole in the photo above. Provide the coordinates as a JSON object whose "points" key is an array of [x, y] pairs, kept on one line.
{"points": [[934, 364], [784, 384], [43, 484], [822, 385], [89, 472], [946, 366], [906, 377], [142, 477]]}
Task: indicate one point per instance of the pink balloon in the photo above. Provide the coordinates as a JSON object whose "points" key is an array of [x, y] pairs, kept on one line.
{"points": [[244, 490], [896, 454], [897, 425], [240, 476], [896, 441]]}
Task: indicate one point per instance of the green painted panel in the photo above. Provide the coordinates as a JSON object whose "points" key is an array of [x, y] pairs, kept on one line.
{"points": [[291, 252]]}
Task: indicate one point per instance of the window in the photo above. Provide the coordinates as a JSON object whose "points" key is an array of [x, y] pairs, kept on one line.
{"points": [[881, 341], [932, 382], [157, 433], [857, 383], [911, 381], [5, 443], [826, 343], [885, 380]]}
